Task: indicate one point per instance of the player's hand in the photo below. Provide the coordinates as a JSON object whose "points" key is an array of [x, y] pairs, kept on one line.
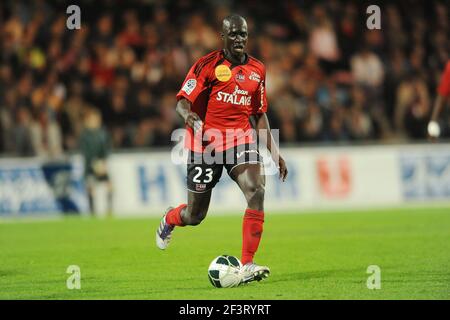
{"points": [[283, 169], [193, 121], [434, 131]]}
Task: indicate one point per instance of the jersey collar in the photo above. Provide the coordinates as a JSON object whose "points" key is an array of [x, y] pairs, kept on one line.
{"points": [[235, 64]]}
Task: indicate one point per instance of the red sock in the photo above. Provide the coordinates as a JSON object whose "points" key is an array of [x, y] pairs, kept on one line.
{"points": [[173, 217], [252, 229]]}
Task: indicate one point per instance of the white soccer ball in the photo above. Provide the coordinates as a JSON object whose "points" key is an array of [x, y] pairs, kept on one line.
{"points": [[224, 272]]}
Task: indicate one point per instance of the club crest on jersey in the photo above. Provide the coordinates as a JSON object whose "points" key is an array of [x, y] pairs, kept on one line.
{"points": [[240, 76], [189, 86], [255, 77], [223, 73]]}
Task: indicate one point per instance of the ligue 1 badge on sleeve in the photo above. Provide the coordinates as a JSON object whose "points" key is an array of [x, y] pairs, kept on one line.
{"points": [[223, 73], [189, 86]]}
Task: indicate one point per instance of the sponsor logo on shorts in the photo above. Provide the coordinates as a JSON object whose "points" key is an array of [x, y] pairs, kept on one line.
{"points": [[189, 86], [240, 154], [200, 187]]}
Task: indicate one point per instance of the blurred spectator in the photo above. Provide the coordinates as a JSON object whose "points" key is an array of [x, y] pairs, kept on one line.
{"points": [[412, 108], [22, 134], [148, 117], [199, 34], [368, 73], [328, 77], [359, 122], [367, 69], [72, 116], [313, 123], [7, 120], [46, 136], [323, 40], [95, 147], [337, 130]]}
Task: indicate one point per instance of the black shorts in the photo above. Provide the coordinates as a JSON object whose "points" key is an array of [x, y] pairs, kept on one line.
{"points": [[205, 169]]}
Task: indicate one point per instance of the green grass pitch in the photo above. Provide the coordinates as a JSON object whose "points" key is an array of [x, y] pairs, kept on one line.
{"points": [[311, 256]]}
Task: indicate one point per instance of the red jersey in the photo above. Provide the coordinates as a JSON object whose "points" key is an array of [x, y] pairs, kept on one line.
{"points": [[225, 95], [444, 87]]}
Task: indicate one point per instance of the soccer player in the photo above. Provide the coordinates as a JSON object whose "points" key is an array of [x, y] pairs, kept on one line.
{"points": [[224, 92], [94, 146], [441, 100]]}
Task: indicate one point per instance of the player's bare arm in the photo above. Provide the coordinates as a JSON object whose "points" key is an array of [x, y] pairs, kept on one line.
{"points": [[190, 118], [434, 130], [442, 98], [438, 106], [260, 121]]}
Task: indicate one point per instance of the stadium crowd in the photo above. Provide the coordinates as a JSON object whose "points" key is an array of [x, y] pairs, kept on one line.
{"points": [[329, 78]]}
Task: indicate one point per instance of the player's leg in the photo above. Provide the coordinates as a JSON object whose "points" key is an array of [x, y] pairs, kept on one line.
{"points": [[201, 179], [90, 184], [251, 180], [197, 208], [90, 193], [192, 213], [110, 191]]}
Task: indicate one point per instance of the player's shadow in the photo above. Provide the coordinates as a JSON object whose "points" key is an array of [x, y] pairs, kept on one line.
{"points": [[8, 272], [308, 275]]}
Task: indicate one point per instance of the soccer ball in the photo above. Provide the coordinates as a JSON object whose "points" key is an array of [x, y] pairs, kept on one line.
{"points": [[224, 271]]}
